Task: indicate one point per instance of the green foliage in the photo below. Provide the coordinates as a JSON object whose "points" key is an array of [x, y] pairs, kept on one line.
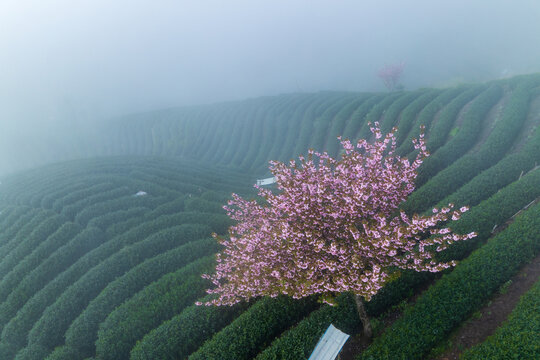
{"points": [[392, 114], [82, 332], [494, 211], [447, 117], [50, 328], [323, 123], [111, 206], [32, 352], [338, 123], [498, 176], [492, 150], [298, 342], [64, 353], [16, 330], [307, 128], [63, 234], [64, 279], [517, 337], [504, 287], [12, 221], [104, 222], [425, 118], [458, 294], [200, 205], [22, 228], [42, 227], [410, 114], [358, 118], [185, 332], [252, 331], [154, 304]]}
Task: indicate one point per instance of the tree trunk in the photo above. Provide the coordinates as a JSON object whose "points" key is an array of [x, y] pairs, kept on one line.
{"points": [[363, 316]]}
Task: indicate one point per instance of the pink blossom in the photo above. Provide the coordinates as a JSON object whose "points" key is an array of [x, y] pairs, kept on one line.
{"points": [[331, 226]]}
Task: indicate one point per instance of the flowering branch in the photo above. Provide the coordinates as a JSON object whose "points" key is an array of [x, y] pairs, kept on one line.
{"points": [[334, 226]]}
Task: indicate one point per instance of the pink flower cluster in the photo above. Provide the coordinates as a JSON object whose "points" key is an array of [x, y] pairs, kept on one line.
{"points": [[390, 75], [334, 226]]}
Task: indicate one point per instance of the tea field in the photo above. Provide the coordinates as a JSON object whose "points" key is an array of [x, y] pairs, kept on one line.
{"points": [[101, 256]]}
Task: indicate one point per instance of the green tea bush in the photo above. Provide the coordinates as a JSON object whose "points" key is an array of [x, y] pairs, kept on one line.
{"points": [[185, 332], [253, 330], [517, 337], [459, 293], [156, 303], [82, 332]]}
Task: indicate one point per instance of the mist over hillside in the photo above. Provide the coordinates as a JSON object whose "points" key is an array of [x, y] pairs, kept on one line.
{"points": [[66, 66]]}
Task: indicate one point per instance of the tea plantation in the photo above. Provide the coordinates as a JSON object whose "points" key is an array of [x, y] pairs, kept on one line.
{"points": [[101, 256]]}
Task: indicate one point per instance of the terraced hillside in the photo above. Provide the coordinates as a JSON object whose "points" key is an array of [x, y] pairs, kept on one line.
{"points": [[101, 258]]}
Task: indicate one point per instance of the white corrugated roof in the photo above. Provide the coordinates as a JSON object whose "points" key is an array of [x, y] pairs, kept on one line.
{"points": [[329, 345], [266, 181]]}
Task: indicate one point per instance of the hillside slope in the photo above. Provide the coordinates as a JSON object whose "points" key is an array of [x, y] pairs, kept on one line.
{"points": [[101, 258]]}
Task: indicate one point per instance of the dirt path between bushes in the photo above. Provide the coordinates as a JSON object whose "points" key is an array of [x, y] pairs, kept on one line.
{"points": [[486, 321]]}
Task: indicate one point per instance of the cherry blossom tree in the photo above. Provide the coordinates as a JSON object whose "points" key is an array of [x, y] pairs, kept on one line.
{"points": [[332, 226], [390, 75]]}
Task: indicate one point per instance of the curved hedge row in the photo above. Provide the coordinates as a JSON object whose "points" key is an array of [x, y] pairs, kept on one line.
{"points": [[464, 139], [185, 332], [51, 196], [438, 135], [21, 229], [7, 217], [518, 337], [459, 293], [71, 211], [426, 116], [16, 330], [63, 234], [312, 125], [392, 114], [42, 226], [322, 124], [95, 210], [466, 167], [248, 128], [82, 333], [156, 303], [282, 122], [49, 330], [298, 342], [252, 331], [410, 113], [61, 202], [338, 124], [498, 176], [269, 128], [39, 277], [106, 221], [492, 212], [358, 118]]}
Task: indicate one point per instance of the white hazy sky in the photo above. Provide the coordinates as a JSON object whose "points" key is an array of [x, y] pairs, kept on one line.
{"points": [[83, 59]]}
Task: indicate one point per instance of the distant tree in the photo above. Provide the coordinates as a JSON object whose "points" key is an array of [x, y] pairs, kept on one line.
{"points": [[391, 74], [333, 226]]}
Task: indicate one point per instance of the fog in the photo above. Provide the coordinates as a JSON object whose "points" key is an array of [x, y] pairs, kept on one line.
{"points": [[68, 63]]}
